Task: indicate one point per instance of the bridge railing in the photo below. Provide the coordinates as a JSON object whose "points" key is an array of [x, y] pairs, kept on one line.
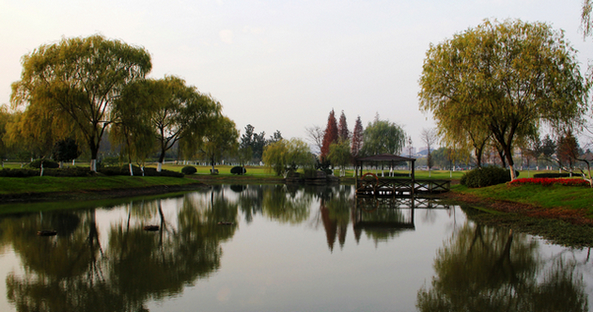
{"points": [[395, 187]]}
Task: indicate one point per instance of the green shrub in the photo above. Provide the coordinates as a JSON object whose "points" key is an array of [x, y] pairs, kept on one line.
{"points": [[151, 172], [238, 170], [486, 176], [553, 175], [69, 172], [47, 163], [310, 173], [187, 170], [18, 173], [110, 161], [52, 172]]}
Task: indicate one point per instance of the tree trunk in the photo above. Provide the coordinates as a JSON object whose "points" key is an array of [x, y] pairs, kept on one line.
{"points": [[94, 153], [131, 169], [509, 157], [478, 158], [161, 160]]}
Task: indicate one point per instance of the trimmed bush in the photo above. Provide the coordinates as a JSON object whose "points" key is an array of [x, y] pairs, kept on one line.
{"points": [[188, 170], [52, 172], [69, 172], [554, 175], [238, 170], [486, 176], [85, 172], [18, 173], [47, 163]]}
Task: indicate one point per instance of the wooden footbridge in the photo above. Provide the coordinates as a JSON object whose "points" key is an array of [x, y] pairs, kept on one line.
{"points": [[369, 184]]}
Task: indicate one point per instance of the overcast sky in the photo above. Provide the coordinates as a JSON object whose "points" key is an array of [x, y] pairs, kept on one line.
{"points": [[281, 65]]}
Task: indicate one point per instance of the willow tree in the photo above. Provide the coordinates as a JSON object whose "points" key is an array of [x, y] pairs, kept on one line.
{"points": [[287, 156], [382, 137], [5, 118], [132, 128], [79, 79], [179, 113], [220, 139], [509, 77], [340, 155], [36, 130]]}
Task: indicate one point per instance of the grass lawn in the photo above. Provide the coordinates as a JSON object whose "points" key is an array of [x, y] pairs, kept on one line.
{"points": [[554, 196]]}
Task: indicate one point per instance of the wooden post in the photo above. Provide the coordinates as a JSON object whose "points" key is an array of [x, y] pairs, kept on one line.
{"points": [[356, 175], [413, 179]]}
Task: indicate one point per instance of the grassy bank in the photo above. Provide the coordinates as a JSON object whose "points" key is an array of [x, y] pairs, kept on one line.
{"points": [[573, 198], [562, 214]]}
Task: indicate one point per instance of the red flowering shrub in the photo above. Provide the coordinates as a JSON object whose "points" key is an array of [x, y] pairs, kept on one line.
{"points": [[550, 181]]}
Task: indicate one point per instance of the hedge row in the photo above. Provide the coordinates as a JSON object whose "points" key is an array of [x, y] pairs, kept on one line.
{"points": [[85, 172], [149, 172], [66, 172], [552, 175], [551, 181]]}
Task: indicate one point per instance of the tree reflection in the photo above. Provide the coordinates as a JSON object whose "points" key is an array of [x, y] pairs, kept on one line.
{"points": [[251, 201], [286, 207], [488, 269], [155, 265], [74, 272], [335, 215], [60, 271]]}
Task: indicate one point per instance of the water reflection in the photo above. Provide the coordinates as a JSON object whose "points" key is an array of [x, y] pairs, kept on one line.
{"points": [[73, 271], [103, 259], [489, 269]]}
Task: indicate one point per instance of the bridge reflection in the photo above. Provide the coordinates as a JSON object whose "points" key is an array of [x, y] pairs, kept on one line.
{"points": [[380, 218]]}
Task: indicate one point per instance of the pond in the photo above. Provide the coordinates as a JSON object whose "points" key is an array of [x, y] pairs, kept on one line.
{"points": [[278, 248]]}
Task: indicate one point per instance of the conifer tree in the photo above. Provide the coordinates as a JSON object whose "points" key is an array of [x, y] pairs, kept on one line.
{"points": [[357, 136], [343, 133], [330, 136]]}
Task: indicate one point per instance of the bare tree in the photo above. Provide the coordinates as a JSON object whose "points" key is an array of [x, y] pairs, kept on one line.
{"points": [[429, 137], [315, 134]]}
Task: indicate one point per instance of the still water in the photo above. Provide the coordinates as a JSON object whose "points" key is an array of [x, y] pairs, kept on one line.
{"points": [[273, 248]]}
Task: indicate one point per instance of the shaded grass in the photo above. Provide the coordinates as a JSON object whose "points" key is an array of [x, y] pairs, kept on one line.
{"points": [[83, 203], [78, 184], [558, 231]]}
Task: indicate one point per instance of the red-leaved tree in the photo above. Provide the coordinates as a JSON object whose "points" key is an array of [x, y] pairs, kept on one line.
{"points": [[330, 136]]}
